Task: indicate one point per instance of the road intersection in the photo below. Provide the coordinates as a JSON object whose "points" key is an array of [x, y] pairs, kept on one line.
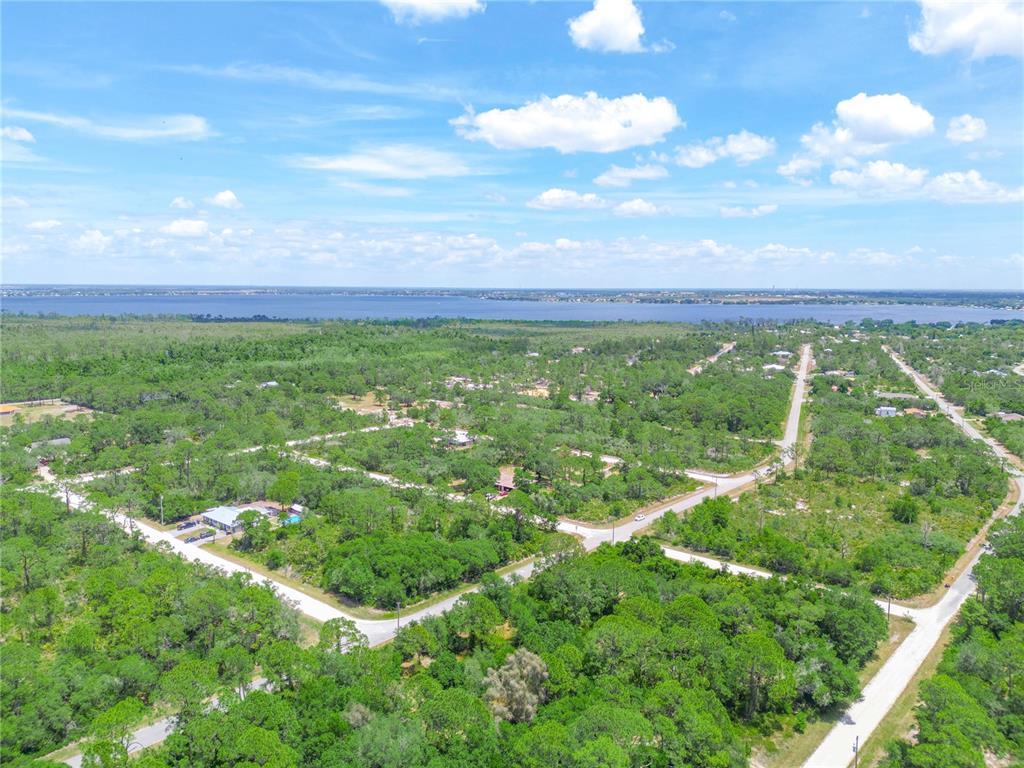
{"points": [[379, 631], [862, 718]]}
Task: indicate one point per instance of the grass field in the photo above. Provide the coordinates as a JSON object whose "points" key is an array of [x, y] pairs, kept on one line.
{"points": [[32, 413]]}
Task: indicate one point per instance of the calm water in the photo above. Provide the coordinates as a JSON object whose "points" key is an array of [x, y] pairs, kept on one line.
{"points": [[323, 306]]}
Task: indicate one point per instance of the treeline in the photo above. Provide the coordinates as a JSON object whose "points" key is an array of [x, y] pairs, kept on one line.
{"points": [[620, 658], [98, 629], [971, 713]]}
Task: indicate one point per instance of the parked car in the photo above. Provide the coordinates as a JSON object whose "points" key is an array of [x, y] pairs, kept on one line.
{"points": [[640, 518], [187, 524], [191, 539], [207, 534]]}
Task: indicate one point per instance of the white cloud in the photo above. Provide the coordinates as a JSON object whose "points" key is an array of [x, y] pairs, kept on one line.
{"points": [[225, 199], [12, 201], [186, 228], [93, 241], [727, 212], [183, 127], [16, 133], [18, 152], [617, 176], [966, 128], [697, 155], [611, 26], [884, 118], [881, 176], [982, 29], [567, 123], [394, 161], [745, 147], [420, 11], [182, 204], [313, 247], [970, 187], [864, 125], [562, 199], [885, 179], [727, 16], [45, 225], [637, 207]]}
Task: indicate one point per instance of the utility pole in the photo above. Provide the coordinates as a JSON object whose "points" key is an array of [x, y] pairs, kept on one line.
{"points": [[161, 509], [398, 621], [856, 750], [613, 531]]}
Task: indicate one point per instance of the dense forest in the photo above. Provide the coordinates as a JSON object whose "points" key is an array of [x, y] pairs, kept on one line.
{"points": [[97, 628], [618, 658]]}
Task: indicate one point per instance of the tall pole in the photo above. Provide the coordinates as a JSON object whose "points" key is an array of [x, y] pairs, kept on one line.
{"points": [[398, 621], [856, 750], [161, 509]]}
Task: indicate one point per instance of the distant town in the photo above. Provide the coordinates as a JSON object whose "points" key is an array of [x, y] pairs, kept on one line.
{"points": [[990, 299]]}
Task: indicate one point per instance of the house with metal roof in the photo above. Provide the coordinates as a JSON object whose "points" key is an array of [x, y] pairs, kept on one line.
{"points": [[223, 518]]}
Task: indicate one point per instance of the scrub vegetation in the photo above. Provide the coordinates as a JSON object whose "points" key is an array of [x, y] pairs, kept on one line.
{"points": [[884, 502]]}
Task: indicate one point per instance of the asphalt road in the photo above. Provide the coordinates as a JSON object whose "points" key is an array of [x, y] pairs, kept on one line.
{"points": [[378, 631], [879, 695]]}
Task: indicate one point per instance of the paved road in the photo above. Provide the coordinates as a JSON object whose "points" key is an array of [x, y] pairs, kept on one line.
{"points": [[947, 408], [723, 484], [378, 631], [154, 733], [879, 695], [727, 347]]}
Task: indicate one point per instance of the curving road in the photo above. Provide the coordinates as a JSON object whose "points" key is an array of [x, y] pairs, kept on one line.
{"points": [[378, 631], [879, 695]]}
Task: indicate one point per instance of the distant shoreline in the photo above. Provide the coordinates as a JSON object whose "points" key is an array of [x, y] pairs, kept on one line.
{"points": [[325, 305], [1011, 300]]}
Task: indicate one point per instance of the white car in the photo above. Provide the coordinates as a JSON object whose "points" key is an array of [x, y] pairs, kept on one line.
{"points": [[640, 518]]}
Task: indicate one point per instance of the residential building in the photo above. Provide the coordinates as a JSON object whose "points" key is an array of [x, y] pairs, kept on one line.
{"points": [[223, 518]]}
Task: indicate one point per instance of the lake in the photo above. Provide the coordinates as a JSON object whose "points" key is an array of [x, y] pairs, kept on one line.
{"points": [[294, 306]]}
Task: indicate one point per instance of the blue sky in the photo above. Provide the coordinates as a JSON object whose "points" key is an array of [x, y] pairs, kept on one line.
{"points": [[546, 144]]}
